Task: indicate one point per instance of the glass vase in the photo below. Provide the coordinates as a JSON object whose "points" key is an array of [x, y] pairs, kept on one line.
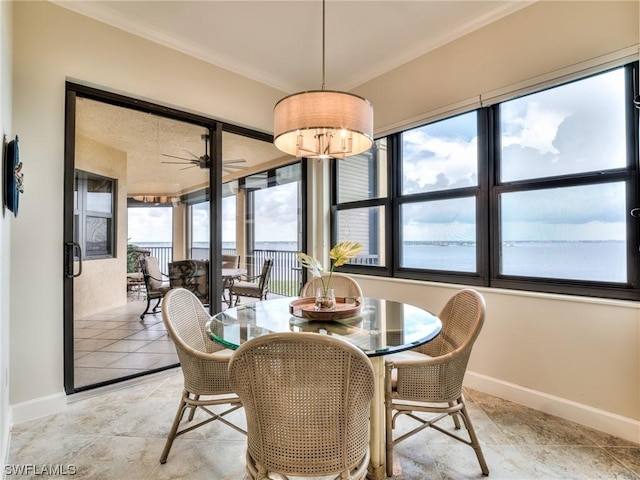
{"points": [[326, 302]]}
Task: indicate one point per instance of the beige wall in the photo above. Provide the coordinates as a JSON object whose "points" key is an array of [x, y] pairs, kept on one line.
{"points": [[576, 357], [541, 39], [6, 129], [52, 45], [103, 283]]}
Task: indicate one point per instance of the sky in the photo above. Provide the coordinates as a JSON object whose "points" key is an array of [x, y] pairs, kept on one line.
{"points": [[579, 127], [276, 218]]}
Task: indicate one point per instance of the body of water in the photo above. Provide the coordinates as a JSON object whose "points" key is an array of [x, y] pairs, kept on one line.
{"points": [[603, 261]]}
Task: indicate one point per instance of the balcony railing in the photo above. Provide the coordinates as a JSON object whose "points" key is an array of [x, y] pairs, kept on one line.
{"points": [[286, 274], [164, 256]]}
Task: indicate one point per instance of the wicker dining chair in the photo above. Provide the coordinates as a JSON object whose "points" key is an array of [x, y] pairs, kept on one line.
{"points": [[428, 379], [343, 286], [307, 402], [204, 364]]}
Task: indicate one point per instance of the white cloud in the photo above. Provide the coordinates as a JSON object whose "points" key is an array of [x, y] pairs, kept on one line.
{"points": [[149, 224]]}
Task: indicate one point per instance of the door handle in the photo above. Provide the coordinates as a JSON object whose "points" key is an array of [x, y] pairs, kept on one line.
{"points": [[70, 248]]}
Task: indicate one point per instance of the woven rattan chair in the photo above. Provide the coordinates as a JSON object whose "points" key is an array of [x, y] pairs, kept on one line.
{"points": [[204, 364], [307, 402], [343, 286], [429, 378]]}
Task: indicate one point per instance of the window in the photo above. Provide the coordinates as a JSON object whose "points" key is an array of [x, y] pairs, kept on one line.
{"points": [[198, 224], [274, 224], [94, 198], [362, 204], [229, 217], [566, 216], [532, 193], [439, 199]]}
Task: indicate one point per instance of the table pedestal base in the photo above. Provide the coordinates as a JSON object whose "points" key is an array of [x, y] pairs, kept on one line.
{"points": [[377, 447]]}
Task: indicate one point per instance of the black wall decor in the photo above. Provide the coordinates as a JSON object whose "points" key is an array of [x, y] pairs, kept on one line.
{"points": [[13, 176]]}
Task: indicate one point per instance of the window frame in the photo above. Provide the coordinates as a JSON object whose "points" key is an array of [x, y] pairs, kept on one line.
{"points": [[82, 213], [381, 201], [488, 192]]}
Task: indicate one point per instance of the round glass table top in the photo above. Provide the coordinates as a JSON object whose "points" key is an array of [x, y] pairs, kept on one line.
{"points": [[382, 326]]}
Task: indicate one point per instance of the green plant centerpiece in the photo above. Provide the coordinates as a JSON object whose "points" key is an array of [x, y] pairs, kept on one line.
{"points": [[340, 254]]}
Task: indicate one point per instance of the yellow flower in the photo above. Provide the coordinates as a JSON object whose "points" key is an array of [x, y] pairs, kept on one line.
{"points": [[340, 254], [344, 251]]}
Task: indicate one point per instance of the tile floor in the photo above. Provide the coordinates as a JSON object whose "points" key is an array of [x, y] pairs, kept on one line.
{"points": [[118, 432], [115, 344]]}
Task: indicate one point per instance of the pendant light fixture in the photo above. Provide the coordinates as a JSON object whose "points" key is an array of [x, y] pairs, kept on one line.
{"points": [[323, 123]]}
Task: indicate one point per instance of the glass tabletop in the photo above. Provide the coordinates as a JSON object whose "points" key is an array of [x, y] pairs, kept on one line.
{"points": [[382, 326]]}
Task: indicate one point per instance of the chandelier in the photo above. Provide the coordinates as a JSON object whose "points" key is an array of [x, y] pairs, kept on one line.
{"points": [[323, 123], [158, 199]]}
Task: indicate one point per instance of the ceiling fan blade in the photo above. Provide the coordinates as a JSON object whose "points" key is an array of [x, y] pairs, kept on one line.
{"points": [[174, 156], [178, 163], [237, 167], [196, 157], [237, 160]]}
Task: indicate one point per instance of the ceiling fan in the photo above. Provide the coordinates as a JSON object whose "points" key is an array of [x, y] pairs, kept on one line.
{"points": [[204, 161]]}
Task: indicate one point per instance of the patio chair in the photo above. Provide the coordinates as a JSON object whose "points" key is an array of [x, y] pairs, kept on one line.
{"points": [[230, 261], [343, 286], [204, 364], [307, 403], [154, 282], [255, 287], [192, 275], [428, 379]]}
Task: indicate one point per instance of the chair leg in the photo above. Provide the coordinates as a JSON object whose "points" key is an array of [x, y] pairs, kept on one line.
{"points": [[174, 429], [193, 409], [146, 310], [155, 309], [388, 420], [475, 444], [456, 420]]}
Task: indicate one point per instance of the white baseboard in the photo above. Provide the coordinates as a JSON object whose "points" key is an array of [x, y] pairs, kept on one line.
{"points": [[6, 435], [38, 407], [601, 420]]}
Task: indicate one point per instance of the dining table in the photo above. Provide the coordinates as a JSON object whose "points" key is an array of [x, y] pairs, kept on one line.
{"points": [[379, 327]]}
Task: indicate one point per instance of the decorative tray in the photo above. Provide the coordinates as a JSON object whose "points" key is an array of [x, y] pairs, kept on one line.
{"points": [[346, 307]]}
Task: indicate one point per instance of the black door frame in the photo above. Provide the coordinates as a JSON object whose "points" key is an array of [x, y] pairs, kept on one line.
{"points": [[215, 127]]}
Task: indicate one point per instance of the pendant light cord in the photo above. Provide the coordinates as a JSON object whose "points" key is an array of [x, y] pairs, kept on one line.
{"points": [[323, 44]]}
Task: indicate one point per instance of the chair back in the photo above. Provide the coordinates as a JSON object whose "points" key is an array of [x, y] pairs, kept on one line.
{"points": [[307, 402], [462, 319], [185, 319], [150, 268], [230, 261], [263, 281], [343, 286]]}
